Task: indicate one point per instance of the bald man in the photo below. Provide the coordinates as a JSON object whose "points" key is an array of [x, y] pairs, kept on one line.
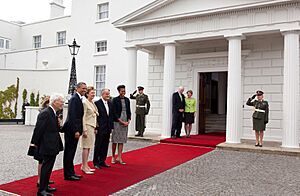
{"points": [[178, 101]]}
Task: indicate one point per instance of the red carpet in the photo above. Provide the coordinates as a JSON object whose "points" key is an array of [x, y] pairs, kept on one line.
{"points": [[141, 164], [208, 140]]}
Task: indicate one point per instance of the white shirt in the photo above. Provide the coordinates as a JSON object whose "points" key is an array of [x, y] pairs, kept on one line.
{"points": [[79, 95], [53, 109], [106, 105]]}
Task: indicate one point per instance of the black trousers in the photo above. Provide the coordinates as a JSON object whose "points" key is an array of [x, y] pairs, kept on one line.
{"points": [[101, 148], [140, 123], [47, 166], [177, 119], [69, 154]]}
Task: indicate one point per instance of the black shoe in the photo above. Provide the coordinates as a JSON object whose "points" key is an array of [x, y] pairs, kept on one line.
{"points": [[72, 178], [173, 137], [104, 165], [137, 135], [256, 145], [50, 189], [260, 145], [44, 193], [50, 182], [97, 166], [179, 136], [77, 175]]}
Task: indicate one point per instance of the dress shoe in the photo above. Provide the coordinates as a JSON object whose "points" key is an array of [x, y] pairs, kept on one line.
{"points": [[173, 137], [72, 178], [77, 175], [104, 165], [44, 193], [97, 167], [137, 135], [50, 189], [50, 182], [178, 136]]}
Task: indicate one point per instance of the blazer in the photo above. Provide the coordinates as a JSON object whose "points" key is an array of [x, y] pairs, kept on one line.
{"points": [[73, 122], [105, 122], [90, 113], [46, 133], [117, 107], [177, 102]]}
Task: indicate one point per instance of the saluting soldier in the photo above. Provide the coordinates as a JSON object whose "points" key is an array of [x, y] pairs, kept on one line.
{"points": [[142, 109], [260, 115]]}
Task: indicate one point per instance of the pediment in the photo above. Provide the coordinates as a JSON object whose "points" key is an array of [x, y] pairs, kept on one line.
{"points": [[164, 9]]}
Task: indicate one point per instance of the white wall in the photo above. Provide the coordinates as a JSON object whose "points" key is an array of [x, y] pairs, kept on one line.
{"points": [[12, 32]]}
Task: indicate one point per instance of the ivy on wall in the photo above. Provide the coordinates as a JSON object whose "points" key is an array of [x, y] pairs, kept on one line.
{"points": [[8, 97]]}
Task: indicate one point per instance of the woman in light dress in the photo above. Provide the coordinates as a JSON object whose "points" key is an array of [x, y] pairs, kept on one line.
{"points": [[89, 128]]}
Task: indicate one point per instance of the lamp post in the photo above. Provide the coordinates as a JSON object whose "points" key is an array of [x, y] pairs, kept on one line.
{"points": [[74, 48]]}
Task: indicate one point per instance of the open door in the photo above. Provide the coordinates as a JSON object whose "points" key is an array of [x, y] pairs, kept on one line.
{"points": [[202, 102]]}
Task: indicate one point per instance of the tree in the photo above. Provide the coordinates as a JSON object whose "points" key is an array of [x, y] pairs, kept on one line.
{"points": [[37, 99], [24, 95], [32, 99]]}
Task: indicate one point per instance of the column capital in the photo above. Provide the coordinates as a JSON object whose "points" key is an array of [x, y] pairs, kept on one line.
{"points": [[237, 36], [166, 43], [292, 31]]}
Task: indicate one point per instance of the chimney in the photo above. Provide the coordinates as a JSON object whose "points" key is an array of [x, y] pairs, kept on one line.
{"points": [[56, 8]]}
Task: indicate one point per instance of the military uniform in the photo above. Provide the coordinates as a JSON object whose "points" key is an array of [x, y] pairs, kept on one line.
{"points": [[261, 113], [142, 109]]}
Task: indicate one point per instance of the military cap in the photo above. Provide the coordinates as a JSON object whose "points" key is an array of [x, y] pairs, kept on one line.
{"points": [[259, 93], [140, 88]]}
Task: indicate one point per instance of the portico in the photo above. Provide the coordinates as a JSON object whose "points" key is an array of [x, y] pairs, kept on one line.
{"points": [[256, 47]]}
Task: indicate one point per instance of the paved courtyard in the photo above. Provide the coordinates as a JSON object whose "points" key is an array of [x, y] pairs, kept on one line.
{"points": [[220, 172]]}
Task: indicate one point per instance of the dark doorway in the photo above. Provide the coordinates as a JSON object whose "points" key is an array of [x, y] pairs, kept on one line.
{"points": [[212, 102]]}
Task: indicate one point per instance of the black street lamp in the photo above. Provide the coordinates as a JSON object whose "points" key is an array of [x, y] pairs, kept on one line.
{"points": [[74, 48]]}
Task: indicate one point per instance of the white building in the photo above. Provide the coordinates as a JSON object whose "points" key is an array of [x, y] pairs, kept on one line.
{"points": [[224, 50], [38, 54]]}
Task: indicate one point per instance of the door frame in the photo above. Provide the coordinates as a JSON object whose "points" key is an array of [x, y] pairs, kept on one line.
{"points": [[196, 78]]}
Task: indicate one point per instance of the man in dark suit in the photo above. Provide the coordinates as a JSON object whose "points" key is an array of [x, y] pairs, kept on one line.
{"points": [[73, 129], [47, 140], [178, 101], [105, 121]]}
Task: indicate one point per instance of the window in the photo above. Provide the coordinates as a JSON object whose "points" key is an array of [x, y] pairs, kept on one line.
{"points": [[1, 43], [100, 72], [7, 44], [101, 46], [37, 41], [103, 11], [61, 38]]}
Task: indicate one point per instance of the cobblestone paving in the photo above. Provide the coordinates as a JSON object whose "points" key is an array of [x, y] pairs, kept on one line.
{"points": [[226, 173], [15, 164]]}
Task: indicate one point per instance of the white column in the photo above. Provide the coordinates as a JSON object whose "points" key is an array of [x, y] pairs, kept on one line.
{"points": [[132, 74], [234, 94], [168, 88], [290, 137]]}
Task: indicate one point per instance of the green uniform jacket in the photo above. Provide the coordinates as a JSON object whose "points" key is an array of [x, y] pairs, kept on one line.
{"points": [[260, 119], [141, 100]]}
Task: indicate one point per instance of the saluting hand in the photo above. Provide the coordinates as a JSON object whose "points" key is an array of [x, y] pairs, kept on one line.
{"points": [[253, 97]]}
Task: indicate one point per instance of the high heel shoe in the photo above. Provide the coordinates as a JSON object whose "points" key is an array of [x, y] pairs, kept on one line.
{"points": [[92, 170], [87, 172], [113, 161], [121, 162]]}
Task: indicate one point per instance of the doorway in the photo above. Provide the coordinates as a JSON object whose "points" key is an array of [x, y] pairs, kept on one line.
{"points": [[212, 101]]}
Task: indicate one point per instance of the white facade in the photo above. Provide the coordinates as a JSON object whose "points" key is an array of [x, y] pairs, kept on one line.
{"points": [[255, 42], [47, 69]]}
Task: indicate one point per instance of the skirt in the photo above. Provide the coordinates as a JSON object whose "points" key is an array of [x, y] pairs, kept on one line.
{"points": [[189, 118], [259, 124], [88, 142]]}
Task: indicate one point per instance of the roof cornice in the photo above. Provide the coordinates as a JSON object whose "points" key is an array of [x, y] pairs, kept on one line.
{"points": [[123, 22]]}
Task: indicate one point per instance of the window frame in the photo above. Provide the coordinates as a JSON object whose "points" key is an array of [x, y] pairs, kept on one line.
{"points": [[102, 82], [63, 38], [100, 12], [98, 48], [37, 45]]}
